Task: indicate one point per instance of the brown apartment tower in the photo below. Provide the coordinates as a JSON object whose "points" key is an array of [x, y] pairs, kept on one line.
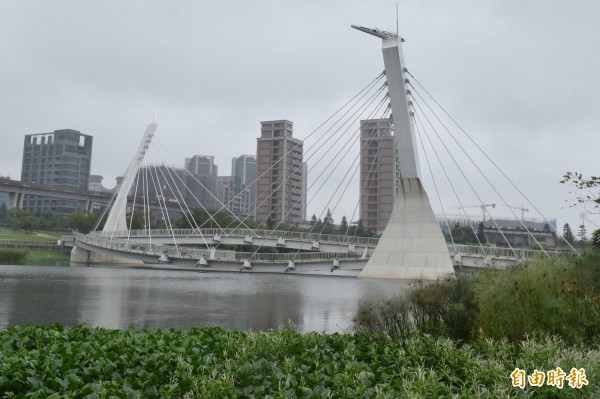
{"points": [[379, 173], [280, 173]]}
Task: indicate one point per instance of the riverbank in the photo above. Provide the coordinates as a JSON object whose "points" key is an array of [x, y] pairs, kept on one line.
{"points": [[217, 363], [20, 248], [30, 256]]}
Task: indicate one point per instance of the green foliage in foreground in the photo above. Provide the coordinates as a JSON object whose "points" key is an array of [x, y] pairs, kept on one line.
{"points": [[81, 362]]}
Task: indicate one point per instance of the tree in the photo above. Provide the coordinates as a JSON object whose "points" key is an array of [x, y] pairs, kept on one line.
{"points": [[137, 220], [28, 223], [16, 219], [568, 234], [344, 225], [587, 189], [360, 231], [596, 239], [327, 223], [313, 220], [3, 213], [581, 233], [82, 221], [50, 220], [465, 235], [481, 233], [546, 228]]}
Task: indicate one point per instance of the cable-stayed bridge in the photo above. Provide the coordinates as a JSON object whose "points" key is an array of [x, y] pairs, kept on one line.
{"points": [[411, 246], [321, 254]]}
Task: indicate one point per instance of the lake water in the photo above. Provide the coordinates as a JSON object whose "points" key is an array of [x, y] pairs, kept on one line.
{"points": [[120, 297]]}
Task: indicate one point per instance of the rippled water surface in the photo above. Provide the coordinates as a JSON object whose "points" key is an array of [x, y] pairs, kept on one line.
{"points": [[118, 297]]}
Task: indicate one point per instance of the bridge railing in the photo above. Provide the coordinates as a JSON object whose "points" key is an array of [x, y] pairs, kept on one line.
{"points": [[255, 233], [29, 243], [506, 252], [157, 250], [125, 245]]}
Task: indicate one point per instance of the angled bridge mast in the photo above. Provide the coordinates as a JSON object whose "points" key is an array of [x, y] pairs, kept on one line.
{"points": [[412, 245]]}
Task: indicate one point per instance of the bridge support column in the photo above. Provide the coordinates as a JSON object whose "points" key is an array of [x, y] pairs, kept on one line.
{"points": [[80, 255], [85, 256], [15, 200], [12, 200], [412, 245]]}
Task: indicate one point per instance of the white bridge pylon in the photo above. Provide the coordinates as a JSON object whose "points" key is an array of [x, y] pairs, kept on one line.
{"points": [[412, 245], [117, 220]]}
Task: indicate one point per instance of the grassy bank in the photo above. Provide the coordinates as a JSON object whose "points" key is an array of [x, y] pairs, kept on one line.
{"points": [[12, 256], [82, 362], [31, 256], [44, 257], [11, 234]]}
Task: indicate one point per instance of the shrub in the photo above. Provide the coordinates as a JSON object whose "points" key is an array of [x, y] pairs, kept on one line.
{"points": [[445, 307], [442, 308], [596, 239], [390, 317], [556, 297], [542, 296], [10, 256]]}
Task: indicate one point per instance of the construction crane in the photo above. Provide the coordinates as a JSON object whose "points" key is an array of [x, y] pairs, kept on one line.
{"points": [[483, 208], [520, 208]]}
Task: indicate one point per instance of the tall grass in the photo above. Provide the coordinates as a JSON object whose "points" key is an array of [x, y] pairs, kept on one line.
{"points": [[442, 308], [9, 256], [555, 297], [29, 256]]}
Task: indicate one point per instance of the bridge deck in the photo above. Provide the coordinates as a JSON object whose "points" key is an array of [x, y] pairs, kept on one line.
{"points": [[315, 262]]}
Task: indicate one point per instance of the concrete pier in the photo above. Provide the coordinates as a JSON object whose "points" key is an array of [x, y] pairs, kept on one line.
{"points": [[412, 245]]}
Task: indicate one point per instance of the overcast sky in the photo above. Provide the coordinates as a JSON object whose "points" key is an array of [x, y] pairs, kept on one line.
{"points": [[520, 76]]}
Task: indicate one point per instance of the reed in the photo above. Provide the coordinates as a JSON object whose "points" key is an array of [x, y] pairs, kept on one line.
{"points": [[10, 256], [556, 297]]}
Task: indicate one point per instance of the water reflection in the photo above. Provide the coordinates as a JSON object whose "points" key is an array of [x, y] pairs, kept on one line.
{"points": [[117, 297]]}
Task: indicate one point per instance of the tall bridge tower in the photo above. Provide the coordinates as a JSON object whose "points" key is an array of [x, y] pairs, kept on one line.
{"points": [[412, 245], [116, 221]]}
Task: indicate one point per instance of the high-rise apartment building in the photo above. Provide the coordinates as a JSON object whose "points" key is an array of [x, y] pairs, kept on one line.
{"points": [[280, 173], [379, 173], [203, 181], [61, 158], [243, 172], [233, 200], [203, 165]]}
